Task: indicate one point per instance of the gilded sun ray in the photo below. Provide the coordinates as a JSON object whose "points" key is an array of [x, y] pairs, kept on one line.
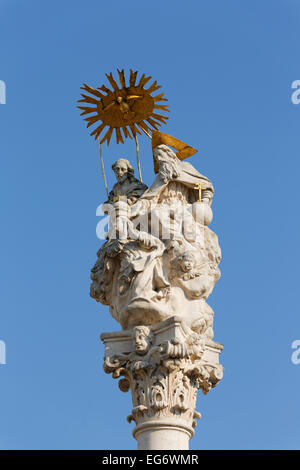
{"points": [[127, 108]]}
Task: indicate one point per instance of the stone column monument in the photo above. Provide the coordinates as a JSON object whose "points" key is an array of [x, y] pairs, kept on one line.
{"points": [[155, 271]]}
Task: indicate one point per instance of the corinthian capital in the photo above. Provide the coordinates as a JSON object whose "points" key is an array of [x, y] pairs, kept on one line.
{"points": [[164, 367]]}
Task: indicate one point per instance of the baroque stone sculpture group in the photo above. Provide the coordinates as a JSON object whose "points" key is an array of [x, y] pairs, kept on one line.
{"points": [[155, 271]]}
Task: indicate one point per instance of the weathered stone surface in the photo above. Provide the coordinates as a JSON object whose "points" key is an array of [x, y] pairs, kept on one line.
{"points": [[155, 271], [160, 258]]}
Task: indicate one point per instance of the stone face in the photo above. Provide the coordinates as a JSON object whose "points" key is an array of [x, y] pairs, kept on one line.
{"points": [[163, 366]]}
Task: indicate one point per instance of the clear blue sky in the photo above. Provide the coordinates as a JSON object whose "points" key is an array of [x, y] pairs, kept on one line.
{"points": [[226, 68]]}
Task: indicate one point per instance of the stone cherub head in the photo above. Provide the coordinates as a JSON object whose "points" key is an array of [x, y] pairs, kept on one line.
{"points": [[187, 262], [185, 265], [142, 339]]}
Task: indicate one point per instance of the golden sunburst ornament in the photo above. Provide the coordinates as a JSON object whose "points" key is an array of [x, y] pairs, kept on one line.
{"points": [[125, 109]]}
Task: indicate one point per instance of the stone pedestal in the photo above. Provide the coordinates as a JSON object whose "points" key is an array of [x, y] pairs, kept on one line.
{"points": [[164, 366]]}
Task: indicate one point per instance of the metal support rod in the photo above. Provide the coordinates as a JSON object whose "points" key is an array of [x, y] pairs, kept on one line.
{"points": [[102, 166], [137, 157]]}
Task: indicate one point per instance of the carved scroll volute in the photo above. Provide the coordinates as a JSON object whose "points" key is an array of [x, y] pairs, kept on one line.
{"points": [[164, 377]]}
